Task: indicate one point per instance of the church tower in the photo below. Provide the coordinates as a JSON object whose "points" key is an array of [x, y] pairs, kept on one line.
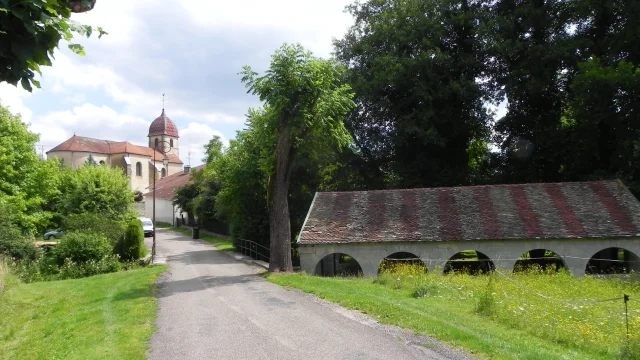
{"points": [[163, 129]]}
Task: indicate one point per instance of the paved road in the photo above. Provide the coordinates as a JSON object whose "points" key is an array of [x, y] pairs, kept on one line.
{"points": [[214, 307]]}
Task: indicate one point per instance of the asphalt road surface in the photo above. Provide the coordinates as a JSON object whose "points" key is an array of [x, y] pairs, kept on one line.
{"points": [[215, 307]]}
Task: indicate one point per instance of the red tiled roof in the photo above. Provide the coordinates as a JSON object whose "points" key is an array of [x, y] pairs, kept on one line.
{"points": [[162, 125], [167, 185], [97, 146], [495, 212]]}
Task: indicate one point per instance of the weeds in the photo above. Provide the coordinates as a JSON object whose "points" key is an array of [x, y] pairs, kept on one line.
{"points": [[596, 326]]}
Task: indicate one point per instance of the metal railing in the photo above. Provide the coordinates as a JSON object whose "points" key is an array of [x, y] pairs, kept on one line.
{"points": [[253, 249]]}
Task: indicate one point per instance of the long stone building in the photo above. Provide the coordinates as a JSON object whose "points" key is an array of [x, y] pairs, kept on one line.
{"points": [[137, 162], [593, 227]]}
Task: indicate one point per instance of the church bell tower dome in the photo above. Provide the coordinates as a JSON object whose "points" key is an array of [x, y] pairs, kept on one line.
{"points": [[162, 125]]}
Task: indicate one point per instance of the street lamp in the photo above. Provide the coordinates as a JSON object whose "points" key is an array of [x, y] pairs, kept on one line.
{"points": [[162, 147]]}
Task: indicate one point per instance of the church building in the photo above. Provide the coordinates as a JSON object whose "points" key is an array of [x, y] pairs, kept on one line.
{"points": [[137, 162]]}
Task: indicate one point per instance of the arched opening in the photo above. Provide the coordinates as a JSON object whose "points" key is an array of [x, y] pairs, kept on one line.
{"points": [[402, 262], [102, 162], [171, 143], [138, 169], [156, 143], [539, 260], [163, 172], [338, 264], [613, 261], [469, 262]]}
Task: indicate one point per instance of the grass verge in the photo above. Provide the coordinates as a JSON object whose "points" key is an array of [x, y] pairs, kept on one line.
{"points": [[220, 243], [493, 319], [108, 316]]}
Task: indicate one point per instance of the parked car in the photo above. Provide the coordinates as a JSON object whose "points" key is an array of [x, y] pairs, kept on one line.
{"points": [[147, 226], [53, 234]]}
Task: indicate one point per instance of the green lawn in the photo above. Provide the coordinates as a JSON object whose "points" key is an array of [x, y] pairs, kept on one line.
{"points": [[219, 243], [107, 316], [516, 324]]}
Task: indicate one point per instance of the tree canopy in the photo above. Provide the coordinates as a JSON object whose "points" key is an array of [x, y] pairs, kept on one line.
{"points": [[31, 30]]}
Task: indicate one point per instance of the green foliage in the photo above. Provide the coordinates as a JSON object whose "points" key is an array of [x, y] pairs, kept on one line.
{"points": [[98, 190], [29, 186], [90, 161], [12, 243], [630, 350], [82, 247], [131, 247], [45, 268], [414, 67], [95, 223], [30, 31]]}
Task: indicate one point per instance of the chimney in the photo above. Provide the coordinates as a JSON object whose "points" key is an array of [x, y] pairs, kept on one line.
{"points": [[187, 169]]}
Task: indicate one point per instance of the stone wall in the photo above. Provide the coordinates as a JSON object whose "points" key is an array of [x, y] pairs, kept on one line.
{"points": [[504, 253]]}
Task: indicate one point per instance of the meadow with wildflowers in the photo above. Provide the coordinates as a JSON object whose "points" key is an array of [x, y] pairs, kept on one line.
{"points": [[528, 315]]}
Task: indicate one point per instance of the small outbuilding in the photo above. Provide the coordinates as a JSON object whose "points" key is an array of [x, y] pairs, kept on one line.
{"points": [[586, 227]]}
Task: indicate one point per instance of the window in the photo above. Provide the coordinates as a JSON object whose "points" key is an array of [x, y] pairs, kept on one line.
{"points": [[101, 162], [138, 169], [171, 143], [164, 172]]}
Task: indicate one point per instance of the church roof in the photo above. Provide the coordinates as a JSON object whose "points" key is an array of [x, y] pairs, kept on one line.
{"points": [[162, 125], [494, 212], [98, 146]]}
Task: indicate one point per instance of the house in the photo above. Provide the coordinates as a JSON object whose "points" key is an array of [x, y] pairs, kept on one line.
{"points": [[593, 227], [139, 163], [165, 191]]}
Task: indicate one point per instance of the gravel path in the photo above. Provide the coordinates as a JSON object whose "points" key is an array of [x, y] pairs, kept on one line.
{"points": [[214, 307]]}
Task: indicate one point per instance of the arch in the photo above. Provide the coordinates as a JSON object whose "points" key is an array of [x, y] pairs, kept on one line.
{"points": [[163, 173], [338, 264], [402, 261], [539, 259], [102, 162], [171, 143], [613, 260], [138, 168], [156, 143], [469, 261]]}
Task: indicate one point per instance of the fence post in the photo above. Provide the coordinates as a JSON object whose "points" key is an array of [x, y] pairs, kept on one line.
{"points": [[626, 312]]}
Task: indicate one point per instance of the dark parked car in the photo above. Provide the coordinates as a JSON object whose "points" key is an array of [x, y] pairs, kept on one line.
{"points": [[53, 234]]}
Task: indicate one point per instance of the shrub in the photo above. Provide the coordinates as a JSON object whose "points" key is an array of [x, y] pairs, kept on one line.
{"points": [[87, 222], [82, 247], [131, 246], [18, 248], [41, 269]]}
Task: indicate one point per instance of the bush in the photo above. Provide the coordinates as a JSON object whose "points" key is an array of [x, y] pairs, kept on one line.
{"points": [[18, 248], [41, 269], [82, 247], [87, 222], [131, 247]]}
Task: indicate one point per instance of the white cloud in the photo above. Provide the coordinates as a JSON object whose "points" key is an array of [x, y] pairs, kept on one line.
{"points": [[100, 122], [12, 97], [193, 139]]}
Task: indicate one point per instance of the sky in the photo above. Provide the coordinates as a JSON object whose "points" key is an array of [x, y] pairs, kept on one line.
{"points": [[190, 50]]}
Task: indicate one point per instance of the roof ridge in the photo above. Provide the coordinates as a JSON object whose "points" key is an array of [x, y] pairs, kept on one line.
{"points": [[472, 186]]}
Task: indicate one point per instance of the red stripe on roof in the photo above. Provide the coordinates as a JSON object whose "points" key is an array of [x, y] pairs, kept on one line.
{"points": [[409, 215], [376, 211], [560, 202], [525, 211], [614, 208], [448, 216], [341, 207], [487, 213]]}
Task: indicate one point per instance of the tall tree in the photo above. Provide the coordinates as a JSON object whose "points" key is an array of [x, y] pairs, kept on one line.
{"points": [[303, 98], [414, 66], [31, 30], [530, 54]]}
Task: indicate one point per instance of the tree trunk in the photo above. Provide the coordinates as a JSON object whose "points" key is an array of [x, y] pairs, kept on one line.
{"points": [[279, 221]]}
